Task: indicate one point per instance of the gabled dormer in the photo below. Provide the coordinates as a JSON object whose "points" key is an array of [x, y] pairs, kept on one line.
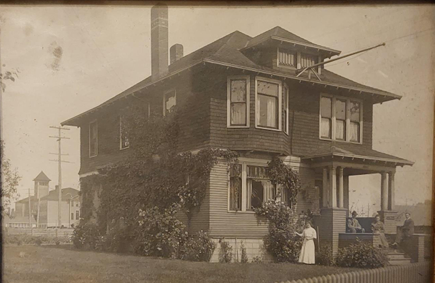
{"points": [[280, 49]]}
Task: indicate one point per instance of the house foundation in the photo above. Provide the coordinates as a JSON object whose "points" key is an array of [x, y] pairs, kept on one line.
{"points": [[254, 248]]}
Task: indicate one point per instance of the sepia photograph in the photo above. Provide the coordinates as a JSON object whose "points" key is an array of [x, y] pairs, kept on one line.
{"points": [[183, 142]]}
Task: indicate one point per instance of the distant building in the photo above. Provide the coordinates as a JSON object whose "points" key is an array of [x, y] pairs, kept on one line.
{"points": [[48, 206]]}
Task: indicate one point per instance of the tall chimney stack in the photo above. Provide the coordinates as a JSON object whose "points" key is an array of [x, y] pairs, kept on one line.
{"points": [[159, 40], [176, 52]]}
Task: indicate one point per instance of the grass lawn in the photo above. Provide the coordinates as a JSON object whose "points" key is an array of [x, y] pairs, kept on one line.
{"points": [[65, 264]]}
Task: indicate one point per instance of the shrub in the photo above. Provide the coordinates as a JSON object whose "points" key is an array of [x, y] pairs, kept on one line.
{"points": [[198, 247], [281, 241], [38, 241], [325, 257], [361, 255], [257, 259], [244, 257], [160, 233], [226, 252], [86, 236]]}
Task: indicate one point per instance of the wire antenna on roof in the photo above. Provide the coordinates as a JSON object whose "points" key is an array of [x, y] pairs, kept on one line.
{"points": [[310, 68]]}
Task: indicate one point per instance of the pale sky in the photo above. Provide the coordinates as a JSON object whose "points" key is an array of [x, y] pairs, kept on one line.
{"points": [[72, 58]]}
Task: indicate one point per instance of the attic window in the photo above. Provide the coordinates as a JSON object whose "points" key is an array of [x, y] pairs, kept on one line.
{"points": [[308, 60], [286, 58]]}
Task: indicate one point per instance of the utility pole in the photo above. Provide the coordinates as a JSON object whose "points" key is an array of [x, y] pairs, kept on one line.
{"points": [[59, 160], [30, 212]]}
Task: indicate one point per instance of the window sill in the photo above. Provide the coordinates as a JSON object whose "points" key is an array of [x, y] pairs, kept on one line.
{"points": [[340, 141], [238, 127], [241, 212], [124, 148], [93, 156], [268, 129]]}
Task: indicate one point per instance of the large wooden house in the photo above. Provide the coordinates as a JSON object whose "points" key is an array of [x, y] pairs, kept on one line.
{"points": [[251, 98]]}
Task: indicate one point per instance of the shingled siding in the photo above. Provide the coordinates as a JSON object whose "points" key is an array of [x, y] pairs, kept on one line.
{"points": [[241, 138], [230, 224], [193, 123], [305, 124]]}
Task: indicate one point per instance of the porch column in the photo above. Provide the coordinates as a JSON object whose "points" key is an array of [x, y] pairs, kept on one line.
{"points": [[384, 192], [333, 186], [340, 188], [346, 191], [391, 189], [325, 187]]}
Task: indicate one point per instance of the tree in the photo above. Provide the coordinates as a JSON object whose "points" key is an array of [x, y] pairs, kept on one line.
{"points": [[9, 181]]}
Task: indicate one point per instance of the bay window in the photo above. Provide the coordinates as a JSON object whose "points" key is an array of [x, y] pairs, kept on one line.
{"points": [[249, 187], [268, 104], [238, 101], [340, 119]]}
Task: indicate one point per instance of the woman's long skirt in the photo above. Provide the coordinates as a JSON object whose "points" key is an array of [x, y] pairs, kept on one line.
{"points": [[307, 252]]}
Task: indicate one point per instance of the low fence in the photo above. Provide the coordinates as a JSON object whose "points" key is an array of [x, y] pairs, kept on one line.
{"points": [[412, 273], [39, 232]]}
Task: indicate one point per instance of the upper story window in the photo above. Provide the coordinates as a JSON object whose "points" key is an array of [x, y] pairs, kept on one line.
{"points": [[43, 183], [238, 101], [123, 136], [93, 139], [169, 101], [340, 119], [286, 101], [268, 103], [286, 58], [308, 60]]}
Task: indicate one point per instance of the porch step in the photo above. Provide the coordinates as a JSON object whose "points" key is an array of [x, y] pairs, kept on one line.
{"points": [[397, 258]]}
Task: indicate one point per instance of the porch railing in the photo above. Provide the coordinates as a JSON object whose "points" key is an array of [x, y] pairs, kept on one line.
{"points": [[412, 273]]}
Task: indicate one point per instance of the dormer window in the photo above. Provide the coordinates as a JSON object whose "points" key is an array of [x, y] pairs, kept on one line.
{"points": [[308, 60], [286, 58]]}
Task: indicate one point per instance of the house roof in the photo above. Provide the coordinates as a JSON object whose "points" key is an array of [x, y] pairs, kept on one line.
{"points": [[280, 34], [41, 177], [226, 51], [26, 200], [67, 194], [354, 151]]}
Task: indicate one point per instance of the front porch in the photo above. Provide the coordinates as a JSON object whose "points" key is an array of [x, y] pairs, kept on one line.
{"points": [[336, 166]]}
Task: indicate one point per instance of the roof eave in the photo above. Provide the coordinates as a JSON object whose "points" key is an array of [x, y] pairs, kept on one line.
{"points": [[386, 95], [396, 162]]}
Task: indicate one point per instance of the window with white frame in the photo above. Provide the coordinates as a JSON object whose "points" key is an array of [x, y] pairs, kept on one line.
{"points": [[340, 119], [169, 101], [123, 136], [93, 139], [286, 102], [286, 58], [268, 104], [249, 187], [238, 101]]}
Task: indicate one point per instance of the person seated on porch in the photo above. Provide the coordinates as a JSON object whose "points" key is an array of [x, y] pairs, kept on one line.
{"points": [[378, 228], [405, 232], [353, 225]]}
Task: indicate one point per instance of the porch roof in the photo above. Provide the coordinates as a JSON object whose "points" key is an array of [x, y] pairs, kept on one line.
{"points": [[355, 152]]}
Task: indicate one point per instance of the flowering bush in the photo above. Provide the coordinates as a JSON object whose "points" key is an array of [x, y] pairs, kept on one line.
{"points": [[198, 247], [244, 257], [160, 233], [281, 242], [226, 252], [361, 255], [86, 236]]}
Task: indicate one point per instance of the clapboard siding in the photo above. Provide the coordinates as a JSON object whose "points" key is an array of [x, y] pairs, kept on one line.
{"points": [[230, 224]]}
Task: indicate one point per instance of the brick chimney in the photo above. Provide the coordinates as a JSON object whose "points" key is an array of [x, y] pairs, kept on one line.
{"points": [[176, 52], [159, 40]]}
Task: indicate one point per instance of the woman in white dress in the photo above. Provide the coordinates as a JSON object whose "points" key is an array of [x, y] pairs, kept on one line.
{"points": [[307, 255]]}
